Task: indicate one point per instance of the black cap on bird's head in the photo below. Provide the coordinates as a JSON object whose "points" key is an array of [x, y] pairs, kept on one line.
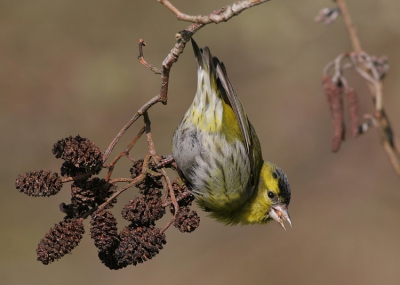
{"points": [[283, 184], [279, 209]]}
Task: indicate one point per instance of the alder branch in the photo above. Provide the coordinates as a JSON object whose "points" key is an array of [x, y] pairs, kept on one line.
{"points": [[143, 61], [385, 131], [125, 152], [92, 196], [221, 15], [372, 69], [351, 28], [135, 117]]}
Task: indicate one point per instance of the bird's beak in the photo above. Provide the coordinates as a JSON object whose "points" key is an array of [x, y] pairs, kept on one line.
{"points": [[280, 213]]}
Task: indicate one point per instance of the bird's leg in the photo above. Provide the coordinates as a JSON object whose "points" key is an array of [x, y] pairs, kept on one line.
{"points": [[166, 161]]}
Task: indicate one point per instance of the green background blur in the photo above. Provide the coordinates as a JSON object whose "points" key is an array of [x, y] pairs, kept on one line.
{"points": [[70, 67]]}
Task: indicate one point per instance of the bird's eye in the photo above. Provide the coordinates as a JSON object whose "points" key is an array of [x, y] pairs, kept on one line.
{"points": [[271, 194], [274, 175]]}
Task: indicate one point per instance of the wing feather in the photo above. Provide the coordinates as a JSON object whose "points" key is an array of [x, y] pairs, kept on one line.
{"points": [[250, 139]]}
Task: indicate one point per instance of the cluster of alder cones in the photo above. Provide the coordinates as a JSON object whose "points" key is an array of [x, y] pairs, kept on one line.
{"points": [[93, 197]]}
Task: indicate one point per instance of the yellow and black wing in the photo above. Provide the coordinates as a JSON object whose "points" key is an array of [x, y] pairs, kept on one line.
{"points": [[228, 94]]}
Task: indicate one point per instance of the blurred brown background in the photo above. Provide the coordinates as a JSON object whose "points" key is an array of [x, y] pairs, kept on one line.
{"points": [[70, 67]]}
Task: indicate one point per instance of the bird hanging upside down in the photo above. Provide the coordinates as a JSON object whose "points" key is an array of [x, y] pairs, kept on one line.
{"points": [[218, 152]]}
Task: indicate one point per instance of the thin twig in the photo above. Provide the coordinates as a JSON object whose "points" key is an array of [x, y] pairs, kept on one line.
{"points": [[143, 61], [152, 152], [328, 67], [338, 71], [217, 16], [168, 224], [375, 87], [117, 180], [221, 15], [132, 182], [150, 143], [135, 181], [125, 152], [351, 28], [135, 117], [78, 177], [167, 161], [179, 198]]}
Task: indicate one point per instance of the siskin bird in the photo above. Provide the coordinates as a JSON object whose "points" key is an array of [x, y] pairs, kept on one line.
{"points": [[218, 152]]}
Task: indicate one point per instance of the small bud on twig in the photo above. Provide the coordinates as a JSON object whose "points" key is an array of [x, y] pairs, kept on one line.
{"points": [[327, 15]]}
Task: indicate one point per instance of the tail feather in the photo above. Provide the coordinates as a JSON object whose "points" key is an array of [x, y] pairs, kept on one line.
{"points": [[203, 57], [210, 64], [197, 52]]}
